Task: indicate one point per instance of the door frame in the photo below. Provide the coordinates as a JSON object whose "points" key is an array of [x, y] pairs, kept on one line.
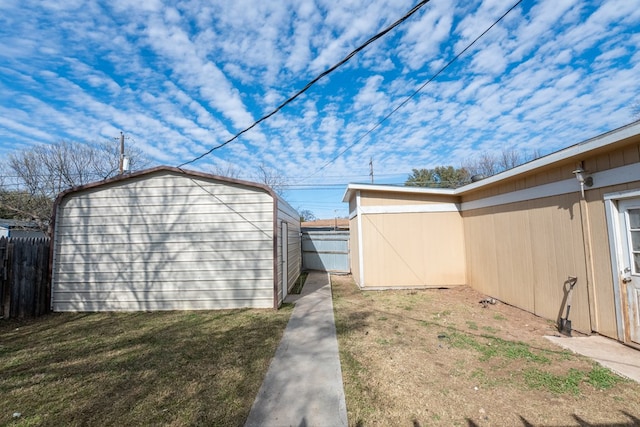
{"points": [[614, 228]]}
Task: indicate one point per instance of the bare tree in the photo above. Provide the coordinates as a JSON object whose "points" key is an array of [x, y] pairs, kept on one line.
{"points": [[635, 111], [271, 178], [510, 158], [488, 164], [228, 171], [43, 171], [306, 215]]}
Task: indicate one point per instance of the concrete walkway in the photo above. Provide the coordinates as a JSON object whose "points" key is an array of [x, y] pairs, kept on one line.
{"points": [[303, 386], [618, 357]]}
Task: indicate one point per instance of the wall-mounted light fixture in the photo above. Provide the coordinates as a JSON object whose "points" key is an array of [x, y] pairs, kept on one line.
{"points": [[584, 179]]}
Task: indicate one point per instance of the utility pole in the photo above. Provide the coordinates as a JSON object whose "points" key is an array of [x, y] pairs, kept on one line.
{"points": [[121, 153], [371, 168]]}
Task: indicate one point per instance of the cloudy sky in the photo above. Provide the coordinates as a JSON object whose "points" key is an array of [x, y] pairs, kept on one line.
{"points": [[179, 78]]}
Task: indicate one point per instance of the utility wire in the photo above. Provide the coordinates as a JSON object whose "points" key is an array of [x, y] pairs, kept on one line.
{"points": [[410, 97], [314, 81]]}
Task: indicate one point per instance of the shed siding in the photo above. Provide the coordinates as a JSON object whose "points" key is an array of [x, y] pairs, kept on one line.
{"points": [[163, 241], [294, 252]]}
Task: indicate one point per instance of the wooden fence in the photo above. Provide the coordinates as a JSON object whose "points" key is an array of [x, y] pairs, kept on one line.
{"points": [[24, 271]]}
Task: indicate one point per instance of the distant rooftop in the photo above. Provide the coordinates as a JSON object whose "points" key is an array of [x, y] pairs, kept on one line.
{"points": [[16, 223], [342, 223]]}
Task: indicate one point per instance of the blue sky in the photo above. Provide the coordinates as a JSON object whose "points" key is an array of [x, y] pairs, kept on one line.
{"points": [[181, 77]]}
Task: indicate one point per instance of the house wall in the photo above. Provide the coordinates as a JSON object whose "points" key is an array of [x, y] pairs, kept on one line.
{"points": [[604, 314], [163, 241], [524, 232], [412, 242], [522, 252]]}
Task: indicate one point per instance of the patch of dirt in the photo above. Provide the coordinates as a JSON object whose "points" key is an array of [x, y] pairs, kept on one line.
{"points": [[440, 357]]}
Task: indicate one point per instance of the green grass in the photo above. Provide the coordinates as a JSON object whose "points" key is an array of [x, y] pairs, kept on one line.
{"points": [[602, 378], [178, 368], [490, 329], [297, 287], [489, 347], [555, 383], [598, 377], [472, 325]]}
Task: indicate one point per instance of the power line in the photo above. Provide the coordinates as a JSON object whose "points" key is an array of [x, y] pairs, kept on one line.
{"points": [[410, 97], [314, 81]]}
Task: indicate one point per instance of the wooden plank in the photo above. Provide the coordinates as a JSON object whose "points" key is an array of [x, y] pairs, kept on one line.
{"points": [[5, 294]]}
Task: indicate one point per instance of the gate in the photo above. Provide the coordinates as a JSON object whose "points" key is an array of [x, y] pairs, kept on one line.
{"points": [[326, 251]]}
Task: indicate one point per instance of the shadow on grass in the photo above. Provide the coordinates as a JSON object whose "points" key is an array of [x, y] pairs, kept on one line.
{"points": [[633, 421], [181, 368]]}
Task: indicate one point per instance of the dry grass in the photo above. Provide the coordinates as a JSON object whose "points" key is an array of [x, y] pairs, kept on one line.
{"points": [[437, 357], [167, 368]]}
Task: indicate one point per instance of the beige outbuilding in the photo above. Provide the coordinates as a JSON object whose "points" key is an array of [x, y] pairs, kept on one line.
{"points": [[170, 239], [519, 236]]}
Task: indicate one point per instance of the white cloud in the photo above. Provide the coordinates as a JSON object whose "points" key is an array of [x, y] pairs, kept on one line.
{"points": [[183, 77]]}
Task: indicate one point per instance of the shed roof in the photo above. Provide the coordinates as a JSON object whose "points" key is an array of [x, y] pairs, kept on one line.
{"points": [[593, 145], [189, 173]]}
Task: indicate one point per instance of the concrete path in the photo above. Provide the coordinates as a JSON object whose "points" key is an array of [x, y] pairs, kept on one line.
{"points": [[610, 353], [303, 386]]}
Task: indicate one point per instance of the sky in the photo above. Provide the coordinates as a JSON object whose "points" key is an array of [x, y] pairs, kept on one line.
{"points": [[179, 78]]}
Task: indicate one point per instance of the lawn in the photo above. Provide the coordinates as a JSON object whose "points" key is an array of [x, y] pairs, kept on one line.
{"points": [[438, 357], [164, 368]]}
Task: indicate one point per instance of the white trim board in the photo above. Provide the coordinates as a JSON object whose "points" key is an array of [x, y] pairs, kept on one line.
{"points": [[393, 209], [602, 179], [360, 245]]}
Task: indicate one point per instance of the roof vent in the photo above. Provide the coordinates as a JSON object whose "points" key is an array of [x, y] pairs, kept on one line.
{"points": [[478, 177]]}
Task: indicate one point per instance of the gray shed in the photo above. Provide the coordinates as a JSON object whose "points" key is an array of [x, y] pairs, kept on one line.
{"points": [[169, 239]]}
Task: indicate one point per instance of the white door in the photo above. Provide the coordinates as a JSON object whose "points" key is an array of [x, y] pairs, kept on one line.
{"points": [[285, 255], [629, 211]]}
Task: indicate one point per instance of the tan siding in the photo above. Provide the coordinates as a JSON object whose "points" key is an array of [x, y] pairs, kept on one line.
{"points": [[522, 253], [164, 241], [413, 250]]}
